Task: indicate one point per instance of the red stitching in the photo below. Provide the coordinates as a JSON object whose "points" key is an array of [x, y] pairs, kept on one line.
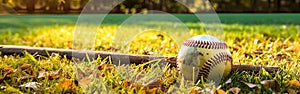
{"points": [[209, 64], [214, 61], [206, 44]]}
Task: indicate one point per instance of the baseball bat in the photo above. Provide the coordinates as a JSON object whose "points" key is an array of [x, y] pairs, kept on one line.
{"points": [[130, 58]]}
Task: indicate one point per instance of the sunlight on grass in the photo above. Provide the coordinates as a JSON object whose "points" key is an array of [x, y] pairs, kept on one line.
{"points": [[271, 45]]}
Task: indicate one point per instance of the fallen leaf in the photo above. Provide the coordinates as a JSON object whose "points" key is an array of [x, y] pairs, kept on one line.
{"points": [[67, 85], [28, 73], [142, 92], [52, 77], [282, 56], [58, 72], [150, 91], [260, 52], [228, 81], [154, 83], [196, 90], [70, 46], [42, 75], [33, 73], [126, 83], [250, 85], [24, 73], [294, 84], [102, 66], [235, 90], [25, 66], [236, 47], [220, 91], [7, 71], [33, 85], [282, 45], [271, 84], [108, 67], [294, 48], [266, 35]]}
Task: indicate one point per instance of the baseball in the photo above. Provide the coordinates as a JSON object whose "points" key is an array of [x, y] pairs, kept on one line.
{"points": [[204, 57]]}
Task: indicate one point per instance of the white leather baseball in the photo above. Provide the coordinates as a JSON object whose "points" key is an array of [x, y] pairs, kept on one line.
{"points": [[204, 56]]}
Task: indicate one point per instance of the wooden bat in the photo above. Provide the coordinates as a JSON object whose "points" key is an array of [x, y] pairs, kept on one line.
{"points": [[127, 58]]}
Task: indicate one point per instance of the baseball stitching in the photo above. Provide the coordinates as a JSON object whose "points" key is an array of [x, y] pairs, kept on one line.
{"points": [[205, 44], [212, 62]]}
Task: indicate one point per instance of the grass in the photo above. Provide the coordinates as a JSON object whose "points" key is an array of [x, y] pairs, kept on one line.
{"points": [[257, 43]]}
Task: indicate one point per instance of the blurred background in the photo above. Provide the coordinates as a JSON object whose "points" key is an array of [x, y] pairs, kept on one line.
{"points": [[137, 6]]}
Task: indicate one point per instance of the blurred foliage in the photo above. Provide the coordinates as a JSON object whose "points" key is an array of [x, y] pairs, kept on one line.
{"points": [[143, 6]]}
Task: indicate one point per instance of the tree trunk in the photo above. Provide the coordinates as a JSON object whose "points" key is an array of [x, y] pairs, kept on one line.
{"points": [[53, 6], [67, 5], [30, 5], [278, 4]]}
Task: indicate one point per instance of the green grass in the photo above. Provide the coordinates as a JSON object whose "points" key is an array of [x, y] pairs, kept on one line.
{"points": [[272, 34]]}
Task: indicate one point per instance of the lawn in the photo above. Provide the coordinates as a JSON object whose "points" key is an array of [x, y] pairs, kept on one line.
{"points": [[257, 39]]}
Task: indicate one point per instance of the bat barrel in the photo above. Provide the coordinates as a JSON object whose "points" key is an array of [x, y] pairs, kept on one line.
{"points": [[254, 68], [133, 59]]}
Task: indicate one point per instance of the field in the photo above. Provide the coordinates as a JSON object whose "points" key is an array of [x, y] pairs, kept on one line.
{"points": [[257, 39]]}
